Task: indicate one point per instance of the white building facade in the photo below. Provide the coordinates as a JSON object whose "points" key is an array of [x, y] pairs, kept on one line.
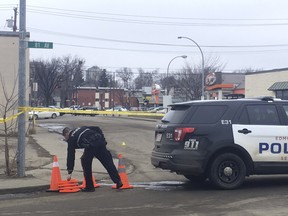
{"points": [[9, 64], [267, 83]]}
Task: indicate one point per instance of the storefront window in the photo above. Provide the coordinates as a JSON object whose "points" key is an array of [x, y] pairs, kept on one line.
{"points": [[283, 94], [279, 94]]}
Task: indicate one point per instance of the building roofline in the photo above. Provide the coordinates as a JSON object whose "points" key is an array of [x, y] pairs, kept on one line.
{"points": [[12, 34], [267, 71], [278, 86]]}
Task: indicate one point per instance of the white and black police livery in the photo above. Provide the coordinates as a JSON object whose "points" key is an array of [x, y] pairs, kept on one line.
{"points": [[223, 140]]}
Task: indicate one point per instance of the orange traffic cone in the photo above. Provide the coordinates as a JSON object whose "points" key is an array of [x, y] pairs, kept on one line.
{"points": [[122, 173], [94, 181], [55, 177], [70, 186]]}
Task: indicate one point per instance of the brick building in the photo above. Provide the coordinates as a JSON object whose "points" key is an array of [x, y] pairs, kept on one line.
{"points": [[104, 97]]}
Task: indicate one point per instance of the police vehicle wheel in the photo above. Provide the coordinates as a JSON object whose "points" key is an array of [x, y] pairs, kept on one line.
{"points": [[227, 171], [53, 116]]}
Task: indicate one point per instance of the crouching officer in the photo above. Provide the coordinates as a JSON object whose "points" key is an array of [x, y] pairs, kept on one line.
{"points": [[93, 141]]}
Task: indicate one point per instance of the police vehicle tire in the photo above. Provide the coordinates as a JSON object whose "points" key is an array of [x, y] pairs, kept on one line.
{"points": [[227, 171], [53, 116]]}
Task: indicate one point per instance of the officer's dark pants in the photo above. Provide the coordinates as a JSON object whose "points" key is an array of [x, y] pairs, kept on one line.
{"points": [[105, 157]]}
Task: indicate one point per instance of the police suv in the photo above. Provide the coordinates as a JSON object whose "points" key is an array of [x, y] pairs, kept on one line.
{"points": [[223, 140]]}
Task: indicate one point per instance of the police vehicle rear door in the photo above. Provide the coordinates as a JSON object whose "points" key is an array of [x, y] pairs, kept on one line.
{"points": [[262, 133]]}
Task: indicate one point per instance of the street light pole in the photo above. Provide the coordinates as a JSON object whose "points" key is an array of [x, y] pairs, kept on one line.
{"points": [[202, 87], [21, 91], [182, 56]]}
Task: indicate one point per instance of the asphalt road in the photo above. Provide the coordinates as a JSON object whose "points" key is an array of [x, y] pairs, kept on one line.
{"points": [[137, 137], [155, 192]]}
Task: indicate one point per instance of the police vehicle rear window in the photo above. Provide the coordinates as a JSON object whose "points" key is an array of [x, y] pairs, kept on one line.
{"points": [[177, 114], [208, 114], [260, 115]]}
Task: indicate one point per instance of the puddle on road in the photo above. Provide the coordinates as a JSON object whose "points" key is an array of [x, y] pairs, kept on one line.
{"points": [[161, 185]]}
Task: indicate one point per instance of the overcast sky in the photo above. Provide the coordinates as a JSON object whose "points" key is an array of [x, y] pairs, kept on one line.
{"points": [[143, 33]]}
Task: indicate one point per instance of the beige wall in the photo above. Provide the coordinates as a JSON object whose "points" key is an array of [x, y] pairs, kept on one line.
{"points": [[257, 84], [9, 58]]}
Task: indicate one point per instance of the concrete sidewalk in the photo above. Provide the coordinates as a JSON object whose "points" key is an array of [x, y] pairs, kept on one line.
{"points": [[39, 166]]}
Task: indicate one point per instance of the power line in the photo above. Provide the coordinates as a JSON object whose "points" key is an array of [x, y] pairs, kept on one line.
{"points": [[75, 14], [157, 44], [160, 17], [159, 51], [149, 69], [89, 15], [111, 18], [7, 6], [104, 39]]}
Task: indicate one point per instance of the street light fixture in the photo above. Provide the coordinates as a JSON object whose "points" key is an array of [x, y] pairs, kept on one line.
{"points": [[182, 56], [202, 87]]}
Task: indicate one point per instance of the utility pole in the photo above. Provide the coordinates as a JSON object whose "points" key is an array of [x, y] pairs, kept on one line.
{"points": [[21, 91], [113, 92], [15, 20]]}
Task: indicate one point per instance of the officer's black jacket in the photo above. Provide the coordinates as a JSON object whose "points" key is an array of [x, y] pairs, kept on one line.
{"points": [[83, 137]]}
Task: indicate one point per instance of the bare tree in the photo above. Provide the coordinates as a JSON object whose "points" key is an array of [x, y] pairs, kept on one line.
{"points": [[213, 64], [65, 73], [146, 78], [168, 82], [126, 75], [189, 80], [72, 77], [47, 75], [8, 107]]}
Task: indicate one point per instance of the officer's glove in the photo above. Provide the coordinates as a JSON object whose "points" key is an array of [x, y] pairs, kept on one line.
{"points": [[69, 176]]}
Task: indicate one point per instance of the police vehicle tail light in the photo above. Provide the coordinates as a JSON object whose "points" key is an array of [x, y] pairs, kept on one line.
{"points": [[179, 133]]}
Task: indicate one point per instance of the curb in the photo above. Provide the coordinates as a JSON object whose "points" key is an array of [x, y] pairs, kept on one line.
{"points": [[28, 189]]}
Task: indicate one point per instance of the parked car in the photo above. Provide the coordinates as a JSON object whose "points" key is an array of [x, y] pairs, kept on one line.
{"points": [[87, 108], [223, 140], [75, 107], [43, 114], [162, 110], [134, 109], [155, 109], [58, 108], [118, 109]]}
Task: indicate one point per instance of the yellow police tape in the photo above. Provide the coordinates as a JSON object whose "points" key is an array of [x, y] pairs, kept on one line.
{"points": [[70, 111], [2, 120]]}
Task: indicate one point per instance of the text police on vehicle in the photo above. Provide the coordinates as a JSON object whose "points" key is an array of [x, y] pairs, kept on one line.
{"points": [[224, 140]]}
